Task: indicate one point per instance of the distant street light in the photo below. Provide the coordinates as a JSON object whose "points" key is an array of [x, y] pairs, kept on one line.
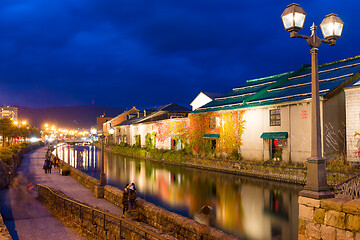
{"points": [[93, 131], [293, 19], [102, 174], [111, 132]]}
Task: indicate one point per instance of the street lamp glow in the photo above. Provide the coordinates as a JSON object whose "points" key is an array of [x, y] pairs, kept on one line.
{"points": [[111, 131], [93, 131], [15, 122], [332, 26], [24, 122], [293, 17]]}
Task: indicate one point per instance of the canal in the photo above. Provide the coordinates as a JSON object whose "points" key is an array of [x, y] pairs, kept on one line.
{"points": [[246, 207]]}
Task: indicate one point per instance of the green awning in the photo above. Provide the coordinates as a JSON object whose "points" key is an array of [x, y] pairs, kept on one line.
{"points": [[274, 135], [211, 136]]}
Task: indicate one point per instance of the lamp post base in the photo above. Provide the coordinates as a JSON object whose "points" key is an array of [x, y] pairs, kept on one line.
{"points": [[316, 194], [102, 179], [316, 183]]}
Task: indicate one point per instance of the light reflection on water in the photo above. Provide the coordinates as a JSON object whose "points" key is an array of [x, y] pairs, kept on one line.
{"points": [[245, 207]]}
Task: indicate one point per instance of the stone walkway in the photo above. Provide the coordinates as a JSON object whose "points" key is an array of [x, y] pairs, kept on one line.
{"points": [[26, 218]]}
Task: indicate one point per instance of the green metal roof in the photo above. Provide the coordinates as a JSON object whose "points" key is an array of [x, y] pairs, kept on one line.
{"points": [[274, 135], [211, 136], [287, 87]]}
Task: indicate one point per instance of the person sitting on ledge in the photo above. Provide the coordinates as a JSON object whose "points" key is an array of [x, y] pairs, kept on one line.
{"points": [[132, 196], [125, 199]]}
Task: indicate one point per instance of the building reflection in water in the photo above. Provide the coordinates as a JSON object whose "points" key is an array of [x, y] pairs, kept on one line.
{"points": [[245, 207]]}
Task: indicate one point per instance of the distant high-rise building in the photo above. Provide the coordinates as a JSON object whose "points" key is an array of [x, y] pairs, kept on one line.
{"points": [[9, 111]]}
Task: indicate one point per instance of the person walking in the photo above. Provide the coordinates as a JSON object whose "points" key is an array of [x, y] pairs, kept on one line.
{"points": [[45, 166], [125, 199], [132, 196], [49, 166]]}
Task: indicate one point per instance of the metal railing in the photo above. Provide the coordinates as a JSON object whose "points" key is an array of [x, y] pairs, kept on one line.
{"points": [[350, 187], [123, 224]]}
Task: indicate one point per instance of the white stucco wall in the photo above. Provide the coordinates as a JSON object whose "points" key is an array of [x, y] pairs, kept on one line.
{"points": [[200, 100], [252, 144], [295, 120], [334, 125], [299, 131], [352, 101]]}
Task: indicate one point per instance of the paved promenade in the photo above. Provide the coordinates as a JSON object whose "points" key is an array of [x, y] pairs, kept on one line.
{"points": [[26, 218]]}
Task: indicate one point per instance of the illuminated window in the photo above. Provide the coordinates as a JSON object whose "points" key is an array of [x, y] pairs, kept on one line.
{"points": [[212, 122], [275, 119]]}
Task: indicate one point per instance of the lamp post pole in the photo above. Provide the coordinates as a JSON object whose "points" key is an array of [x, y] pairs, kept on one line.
{"points": [[293, 18], [102, 174], [316, 183]]}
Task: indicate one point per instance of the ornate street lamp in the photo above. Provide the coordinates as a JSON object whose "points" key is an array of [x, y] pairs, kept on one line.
{"points": [[293, 19], [331, 27]]}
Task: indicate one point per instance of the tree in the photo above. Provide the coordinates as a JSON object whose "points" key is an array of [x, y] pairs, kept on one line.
{"points": [[6, 128]]}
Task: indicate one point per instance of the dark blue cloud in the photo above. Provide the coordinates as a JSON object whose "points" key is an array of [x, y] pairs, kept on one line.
{"points": [[146, 53]]}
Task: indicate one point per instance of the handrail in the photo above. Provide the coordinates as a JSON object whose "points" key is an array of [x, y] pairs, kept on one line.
{"points": [[104, 213], [350, 186], [347, 180]]}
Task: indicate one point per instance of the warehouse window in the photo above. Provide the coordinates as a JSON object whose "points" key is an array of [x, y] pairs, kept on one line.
{"points": [[275, 119]]}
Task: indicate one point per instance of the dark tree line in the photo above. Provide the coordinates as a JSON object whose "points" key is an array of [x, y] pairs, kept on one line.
{"points": [[9, 131]]}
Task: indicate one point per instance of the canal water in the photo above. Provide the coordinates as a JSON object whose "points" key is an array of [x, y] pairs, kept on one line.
{"points": [[246, 207]]}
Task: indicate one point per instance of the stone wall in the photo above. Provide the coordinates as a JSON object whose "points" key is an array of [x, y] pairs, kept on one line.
{"points": [[181, 227], [336, 218], [89, 182], [289, 175], [92, 224]]}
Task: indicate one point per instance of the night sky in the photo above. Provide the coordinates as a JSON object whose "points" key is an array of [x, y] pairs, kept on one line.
{"points": [[147, 53]]}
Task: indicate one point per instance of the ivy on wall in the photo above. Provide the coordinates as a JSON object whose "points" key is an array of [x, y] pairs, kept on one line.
{"points": [[190, 131], [231, 131], [230, 126], [137, 141], [150, 140], [174, 127]]}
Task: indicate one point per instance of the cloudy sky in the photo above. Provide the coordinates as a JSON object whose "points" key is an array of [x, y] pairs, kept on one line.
{"points": [[148, 53]]}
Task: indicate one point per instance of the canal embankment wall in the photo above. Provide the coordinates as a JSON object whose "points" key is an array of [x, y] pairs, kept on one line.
{"points": [[330, 219], [273, 173], [93, 223], [179, 226], [278, 173]]}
